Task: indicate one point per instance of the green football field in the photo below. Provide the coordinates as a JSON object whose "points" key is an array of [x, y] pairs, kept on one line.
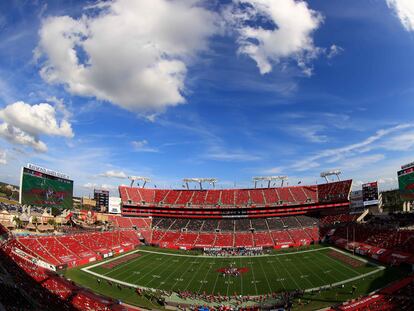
{"points": [[306, 269]]}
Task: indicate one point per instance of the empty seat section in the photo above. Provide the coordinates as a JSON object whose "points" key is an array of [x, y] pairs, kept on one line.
{"points": [[300, 236], [227, 197], [274, 223], [213, 197], [179, 224], [195, 224], [290, 222], [185, 197], [262, 239], [259, 224], [147, 195], [298, 194], [285, 195], [172, 196], [224, 240], [210, 225], [187, 239], [199, 197], [33, 245], [134, 195], [311, 192], [159, 196], [271, 196], [242, 197], [242, 224], [256, 196], [205, 240], [226, 225], [281, 237], [244, 240]]}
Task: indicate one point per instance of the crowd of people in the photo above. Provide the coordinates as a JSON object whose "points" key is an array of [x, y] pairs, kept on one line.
{"points": [[239, 302], [227, 252]]}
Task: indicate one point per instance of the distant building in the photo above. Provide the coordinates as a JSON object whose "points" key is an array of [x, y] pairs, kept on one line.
{"points": [[390, 201], [356, 202], [102, 200], [114, 205]]}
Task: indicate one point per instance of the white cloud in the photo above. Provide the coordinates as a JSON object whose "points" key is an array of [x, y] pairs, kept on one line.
{"points": [[134, 54], [232, 156], [90, 185], [3, 157], [310, 133], [142, 146], [289, 36], [401, 142], [114, 174], [354, 163], [336, 154], [36, 119], [405, 12], [333, 51], [15, 135], [108, 187], [24, 123]]}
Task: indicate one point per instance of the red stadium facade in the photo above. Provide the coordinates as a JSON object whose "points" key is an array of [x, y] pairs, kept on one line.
{"points": [[235, 203]]}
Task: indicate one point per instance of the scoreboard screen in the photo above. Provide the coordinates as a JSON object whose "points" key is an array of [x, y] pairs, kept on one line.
{"points": [[370, 193], [406, 183], [47, 190]]}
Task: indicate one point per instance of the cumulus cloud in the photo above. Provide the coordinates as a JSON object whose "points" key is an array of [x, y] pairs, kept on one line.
{"points": [[15, 135], [36, 119], [24, 124], [133, 53], [285, 31], [114, 174], [405, 12]]}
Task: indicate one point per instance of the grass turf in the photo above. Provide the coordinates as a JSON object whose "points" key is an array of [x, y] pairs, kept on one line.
{"points": [[280, 271], [275, 273]]}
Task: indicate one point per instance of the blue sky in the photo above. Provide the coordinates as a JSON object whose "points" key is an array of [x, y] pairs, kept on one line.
{"points": [[225, 89]]}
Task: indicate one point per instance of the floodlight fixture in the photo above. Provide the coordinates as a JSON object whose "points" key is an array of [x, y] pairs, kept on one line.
{"points": [[135, 178], [269, 179], [200, 181], [326, 174]]}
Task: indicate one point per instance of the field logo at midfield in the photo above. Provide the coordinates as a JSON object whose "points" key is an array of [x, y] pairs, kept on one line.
{"points": [[232, 271]]}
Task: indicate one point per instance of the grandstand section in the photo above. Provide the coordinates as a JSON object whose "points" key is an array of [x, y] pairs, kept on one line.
{"points": [[213, 203]]}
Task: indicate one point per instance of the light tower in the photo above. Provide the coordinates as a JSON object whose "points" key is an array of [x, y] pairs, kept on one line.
{"points": [[336, 173], [211, 181], [134, 178], [269, 179]]}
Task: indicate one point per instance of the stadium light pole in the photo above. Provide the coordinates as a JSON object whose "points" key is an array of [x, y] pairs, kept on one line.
{"points": [[200, 181], [269, 179], [135, 178], [336, 173]]}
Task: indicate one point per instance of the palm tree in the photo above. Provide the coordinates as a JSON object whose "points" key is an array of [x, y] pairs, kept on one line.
{"points": [[35, 221]]}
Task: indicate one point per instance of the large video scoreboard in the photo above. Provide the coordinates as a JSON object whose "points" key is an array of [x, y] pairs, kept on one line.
{"points": [[43, 187], [406, 182]]}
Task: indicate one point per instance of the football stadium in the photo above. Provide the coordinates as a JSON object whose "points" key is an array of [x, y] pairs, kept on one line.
{"points": [[262, 248], [199, 155]]}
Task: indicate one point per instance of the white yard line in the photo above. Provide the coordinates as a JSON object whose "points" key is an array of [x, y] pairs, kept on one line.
{"points": [[195, 274], [264, 273]]}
